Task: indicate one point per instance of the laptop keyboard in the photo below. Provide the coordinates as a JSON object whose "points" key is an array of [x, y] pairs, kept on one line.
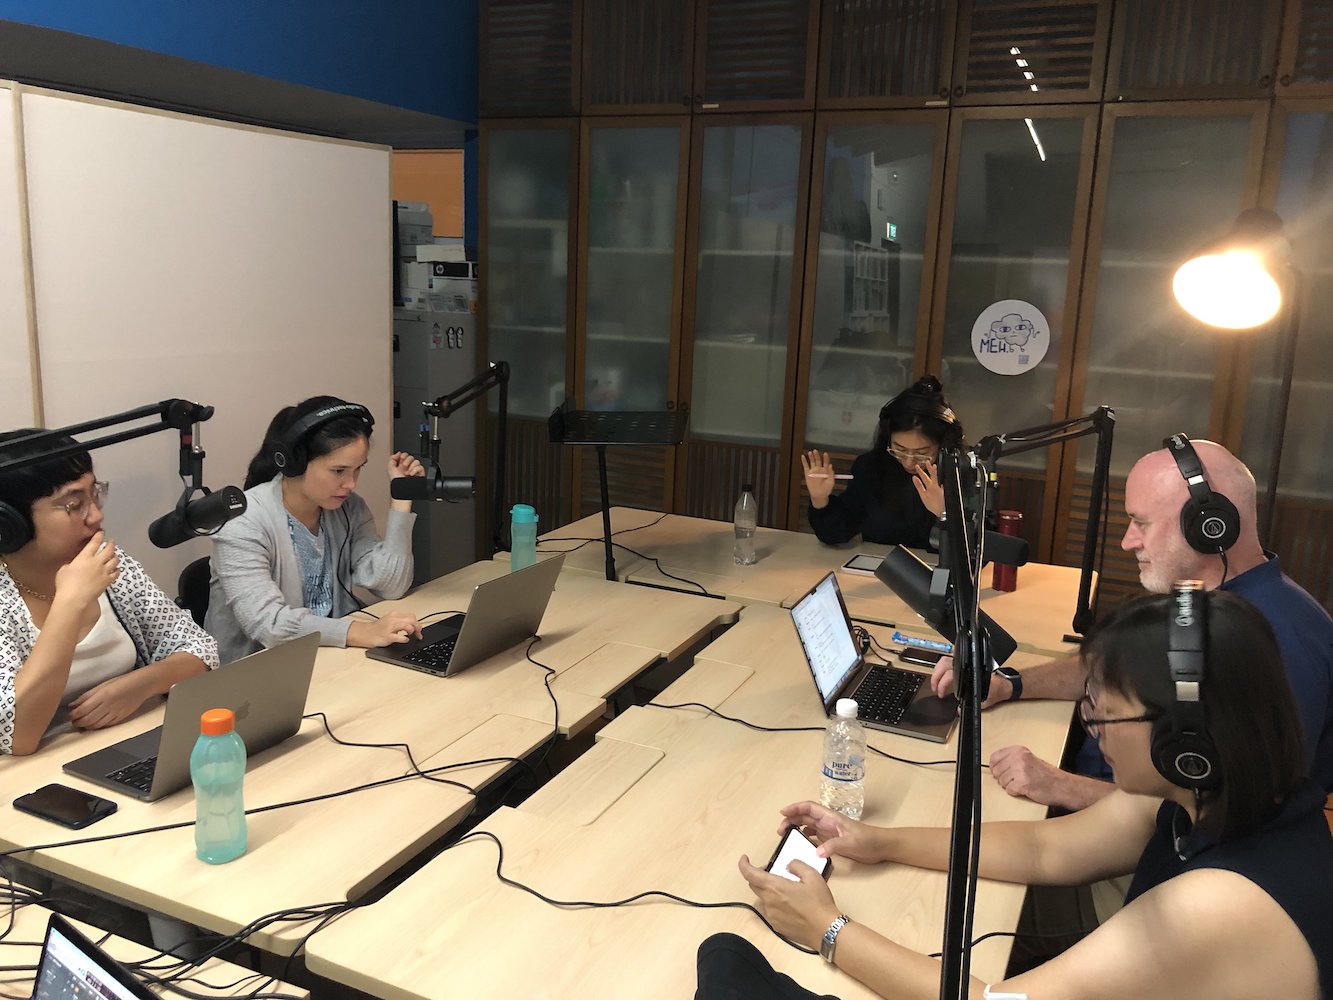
{"points": [[884, 694], [137, 775], [434, 656]]}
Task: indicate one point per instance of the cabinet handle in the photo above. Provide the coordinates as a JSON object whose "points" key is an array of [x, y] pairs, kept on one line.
{"points": [[1285, 80], [671, 404]]}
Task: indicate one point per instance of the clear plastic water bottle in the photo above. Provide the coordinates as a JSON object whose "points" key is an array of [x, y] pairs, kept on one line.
{"points": [[746, 521], [522, 536], [217, 769], [842, 785]]}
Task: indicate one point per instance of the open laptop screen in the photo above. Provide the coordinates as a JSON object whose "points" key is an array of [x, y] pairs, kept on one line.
{"points": [[825, 631], [72, 966]]}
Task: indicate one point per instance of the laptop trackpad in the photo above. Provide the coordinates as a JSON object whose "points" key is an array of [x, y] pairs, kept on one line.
{"points": [[930, 711]]}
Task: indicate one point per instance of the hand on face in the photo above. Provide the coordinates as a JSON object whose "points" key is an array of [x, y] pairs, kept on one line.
{"points": [[401, 465], [928, 488], [84, 579], [818, 470]]}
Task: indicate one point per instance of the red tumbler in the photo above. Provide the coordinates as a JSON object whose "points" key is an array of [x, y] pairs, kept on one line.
{"points": [[1010, 522]]}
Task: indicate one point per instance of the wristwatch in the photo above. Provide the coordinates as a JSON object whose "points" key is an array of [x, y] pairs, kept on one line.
{"points": [[1015, 680], [830, 939]]}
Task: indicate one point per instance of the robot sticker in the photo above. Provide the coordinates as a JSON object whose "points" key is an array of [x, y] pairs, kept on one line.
{"points": [[1010, 337]]}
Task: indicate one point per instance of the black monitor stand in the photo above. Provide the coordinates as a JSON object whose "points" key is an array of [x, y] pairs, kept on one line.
{"points": [[603, 427]]}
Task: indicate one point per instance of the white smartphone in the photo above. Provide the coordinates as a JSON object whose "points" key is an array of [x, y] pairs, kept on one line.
{"points": [[796, 846], [863, 563]]}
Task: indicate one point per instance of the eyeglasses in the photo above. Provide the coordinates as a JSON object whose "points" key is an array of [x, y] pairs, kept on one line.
{"points": [[80, 505], [1093, 726], [920, 457]]}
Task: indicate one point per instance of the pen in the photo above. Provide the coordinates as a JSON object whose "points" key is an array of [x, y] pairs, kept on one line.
{"points": [[824, 475]]}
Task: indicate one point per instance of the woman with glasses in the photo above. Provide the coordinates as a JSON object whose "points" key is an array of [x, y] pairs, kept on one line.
{"points": [[894, 495], [85, 636], [1231, 862]]}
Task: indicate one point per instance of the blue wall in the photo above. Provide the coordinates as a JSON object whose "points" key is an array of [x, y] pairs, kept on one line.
{"points": [[416, 54]]}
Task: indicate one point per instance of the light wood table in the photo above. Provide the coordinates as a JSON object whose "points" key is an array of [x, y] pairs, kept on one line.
{"points": [[215, 978], [668, 799], [597, 635], [1038, 614]]}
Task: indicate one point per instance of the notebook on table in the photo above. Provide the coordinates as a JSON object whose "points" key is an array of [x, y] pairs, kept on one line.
{"points": [[267, 690], [889, 698], [500, 613], [72, 966]]}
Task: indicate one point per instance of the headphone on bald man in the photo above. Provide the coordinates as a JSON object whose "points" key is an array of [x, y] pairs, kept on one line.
{"points": [[1208, 520]]}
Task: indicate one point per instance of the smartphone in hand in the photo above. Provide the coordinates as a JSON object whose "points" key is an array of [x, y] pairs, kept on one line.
{"points": [[64, 805], [796, 846]]}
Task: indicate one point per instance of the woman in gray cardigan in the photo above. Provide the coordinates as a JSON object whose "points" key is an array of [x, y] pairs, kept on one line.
{"points": [[287, 566]]}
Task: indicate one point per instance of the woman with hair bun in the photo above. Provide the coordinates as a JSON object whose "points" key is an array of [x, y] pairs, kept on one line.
{"points": [[894, 496]]}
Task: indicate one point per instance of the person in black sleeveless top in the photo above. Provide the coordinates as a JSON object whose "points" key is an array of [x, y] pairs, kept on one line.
{"points": [[1227, 839]]}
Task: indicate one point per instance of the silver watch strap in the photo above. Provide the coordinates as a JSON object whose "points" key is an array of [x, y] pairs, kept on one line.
{"points": [[830, 939]]}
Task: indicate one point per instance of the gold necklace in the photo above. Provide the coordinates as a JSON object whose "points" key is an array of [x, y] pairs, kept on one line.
{"points": [[23, 586]]}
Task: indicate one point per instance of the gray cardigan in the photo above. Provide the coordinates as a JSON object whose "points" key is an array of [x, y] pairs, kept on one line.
{"points": [[255, 595]]}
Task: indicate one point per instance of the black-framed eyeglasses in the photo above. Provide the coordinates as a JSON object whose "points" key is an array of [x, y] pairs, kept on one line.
{"points": [[80, 505], [1093, 726]]}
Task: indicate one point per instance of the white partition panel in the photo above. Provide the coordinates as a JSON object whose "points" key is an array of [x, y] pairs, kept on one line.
{"points": [[15, 364], [181, 257]]}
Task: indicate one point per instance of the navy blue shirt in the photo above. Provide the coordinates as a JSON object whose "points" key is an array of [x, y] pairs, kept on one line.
{"points": [[1304, 634], [1290, 858], [892, 514]]}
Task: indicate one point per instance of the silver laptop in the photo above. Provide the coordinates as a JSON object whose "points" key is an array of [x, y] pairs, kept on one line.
{"points": [[267, 691], [71, 966], [888, 698], [501, 613]]}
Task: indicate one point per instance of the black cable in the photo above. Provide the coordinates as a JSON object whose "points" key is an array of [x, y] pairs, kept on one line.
{"points": [[588, 904], [797, 729], [653, 559], [551, 674]]}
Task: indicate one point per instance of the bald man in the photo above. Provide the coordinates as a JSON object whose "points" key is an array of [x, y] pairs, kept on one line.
{"points": [[1154, 495]]}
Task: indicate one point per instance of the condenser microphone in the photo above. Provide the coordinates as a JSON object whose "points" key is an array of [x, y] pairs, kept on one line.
{"points": [[193, 518], [433, 487]]}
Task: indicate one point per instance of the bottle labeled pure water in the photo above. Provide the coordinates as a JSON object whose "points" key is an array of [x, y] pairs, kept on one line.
{"points": [[746, 521], [217, 770], [842, 785]]}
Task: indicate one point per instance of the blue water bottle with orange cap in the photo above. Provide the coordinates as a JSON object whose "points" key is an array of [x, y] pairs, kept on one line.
{"points": [[217, 770]]}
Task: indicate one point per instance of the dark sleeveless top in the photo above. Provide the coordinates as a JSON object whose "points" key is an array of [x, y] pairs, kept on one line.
{"points": [[1291, 859]]}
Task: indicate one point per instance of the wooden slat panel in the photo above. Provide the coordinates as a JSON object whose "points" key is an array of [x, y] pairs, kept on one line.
{"points": [[1119, 572], [1056, 38], [885, 48], [637, 52], [756, 50], [1303, 540], [1209, 47], [1024, 492], [1314, 41], [716, 471], [635, 477], [527, 57]]}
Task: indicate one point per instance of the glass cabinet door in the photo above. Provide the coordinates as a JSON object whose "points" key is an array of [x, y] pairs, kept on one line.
{"points": [[1172, 184], [525, 271], [874, 222], [1015, 218], [631, 271], [742, 298]]}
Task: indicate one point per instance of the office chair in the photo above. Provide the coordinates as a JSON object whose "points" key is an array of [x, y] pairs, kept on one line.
{"points": [[192, 589]]}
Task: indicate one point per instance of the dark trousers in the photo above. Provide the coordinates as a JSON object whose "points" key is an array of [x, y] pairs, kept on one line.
{"points": [[730, 968]]}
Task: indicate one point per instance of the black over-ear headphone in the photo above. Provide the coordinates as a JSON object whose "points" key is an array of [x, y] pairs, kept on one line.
{"points": [[289, 451], [1209, 521], [1182, 750], [16, 528]]}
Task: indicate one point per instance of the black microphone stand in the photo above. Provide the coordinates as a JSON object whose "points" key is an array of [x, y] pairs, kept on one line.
{"points": [[497, 375], [180, 414]]}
